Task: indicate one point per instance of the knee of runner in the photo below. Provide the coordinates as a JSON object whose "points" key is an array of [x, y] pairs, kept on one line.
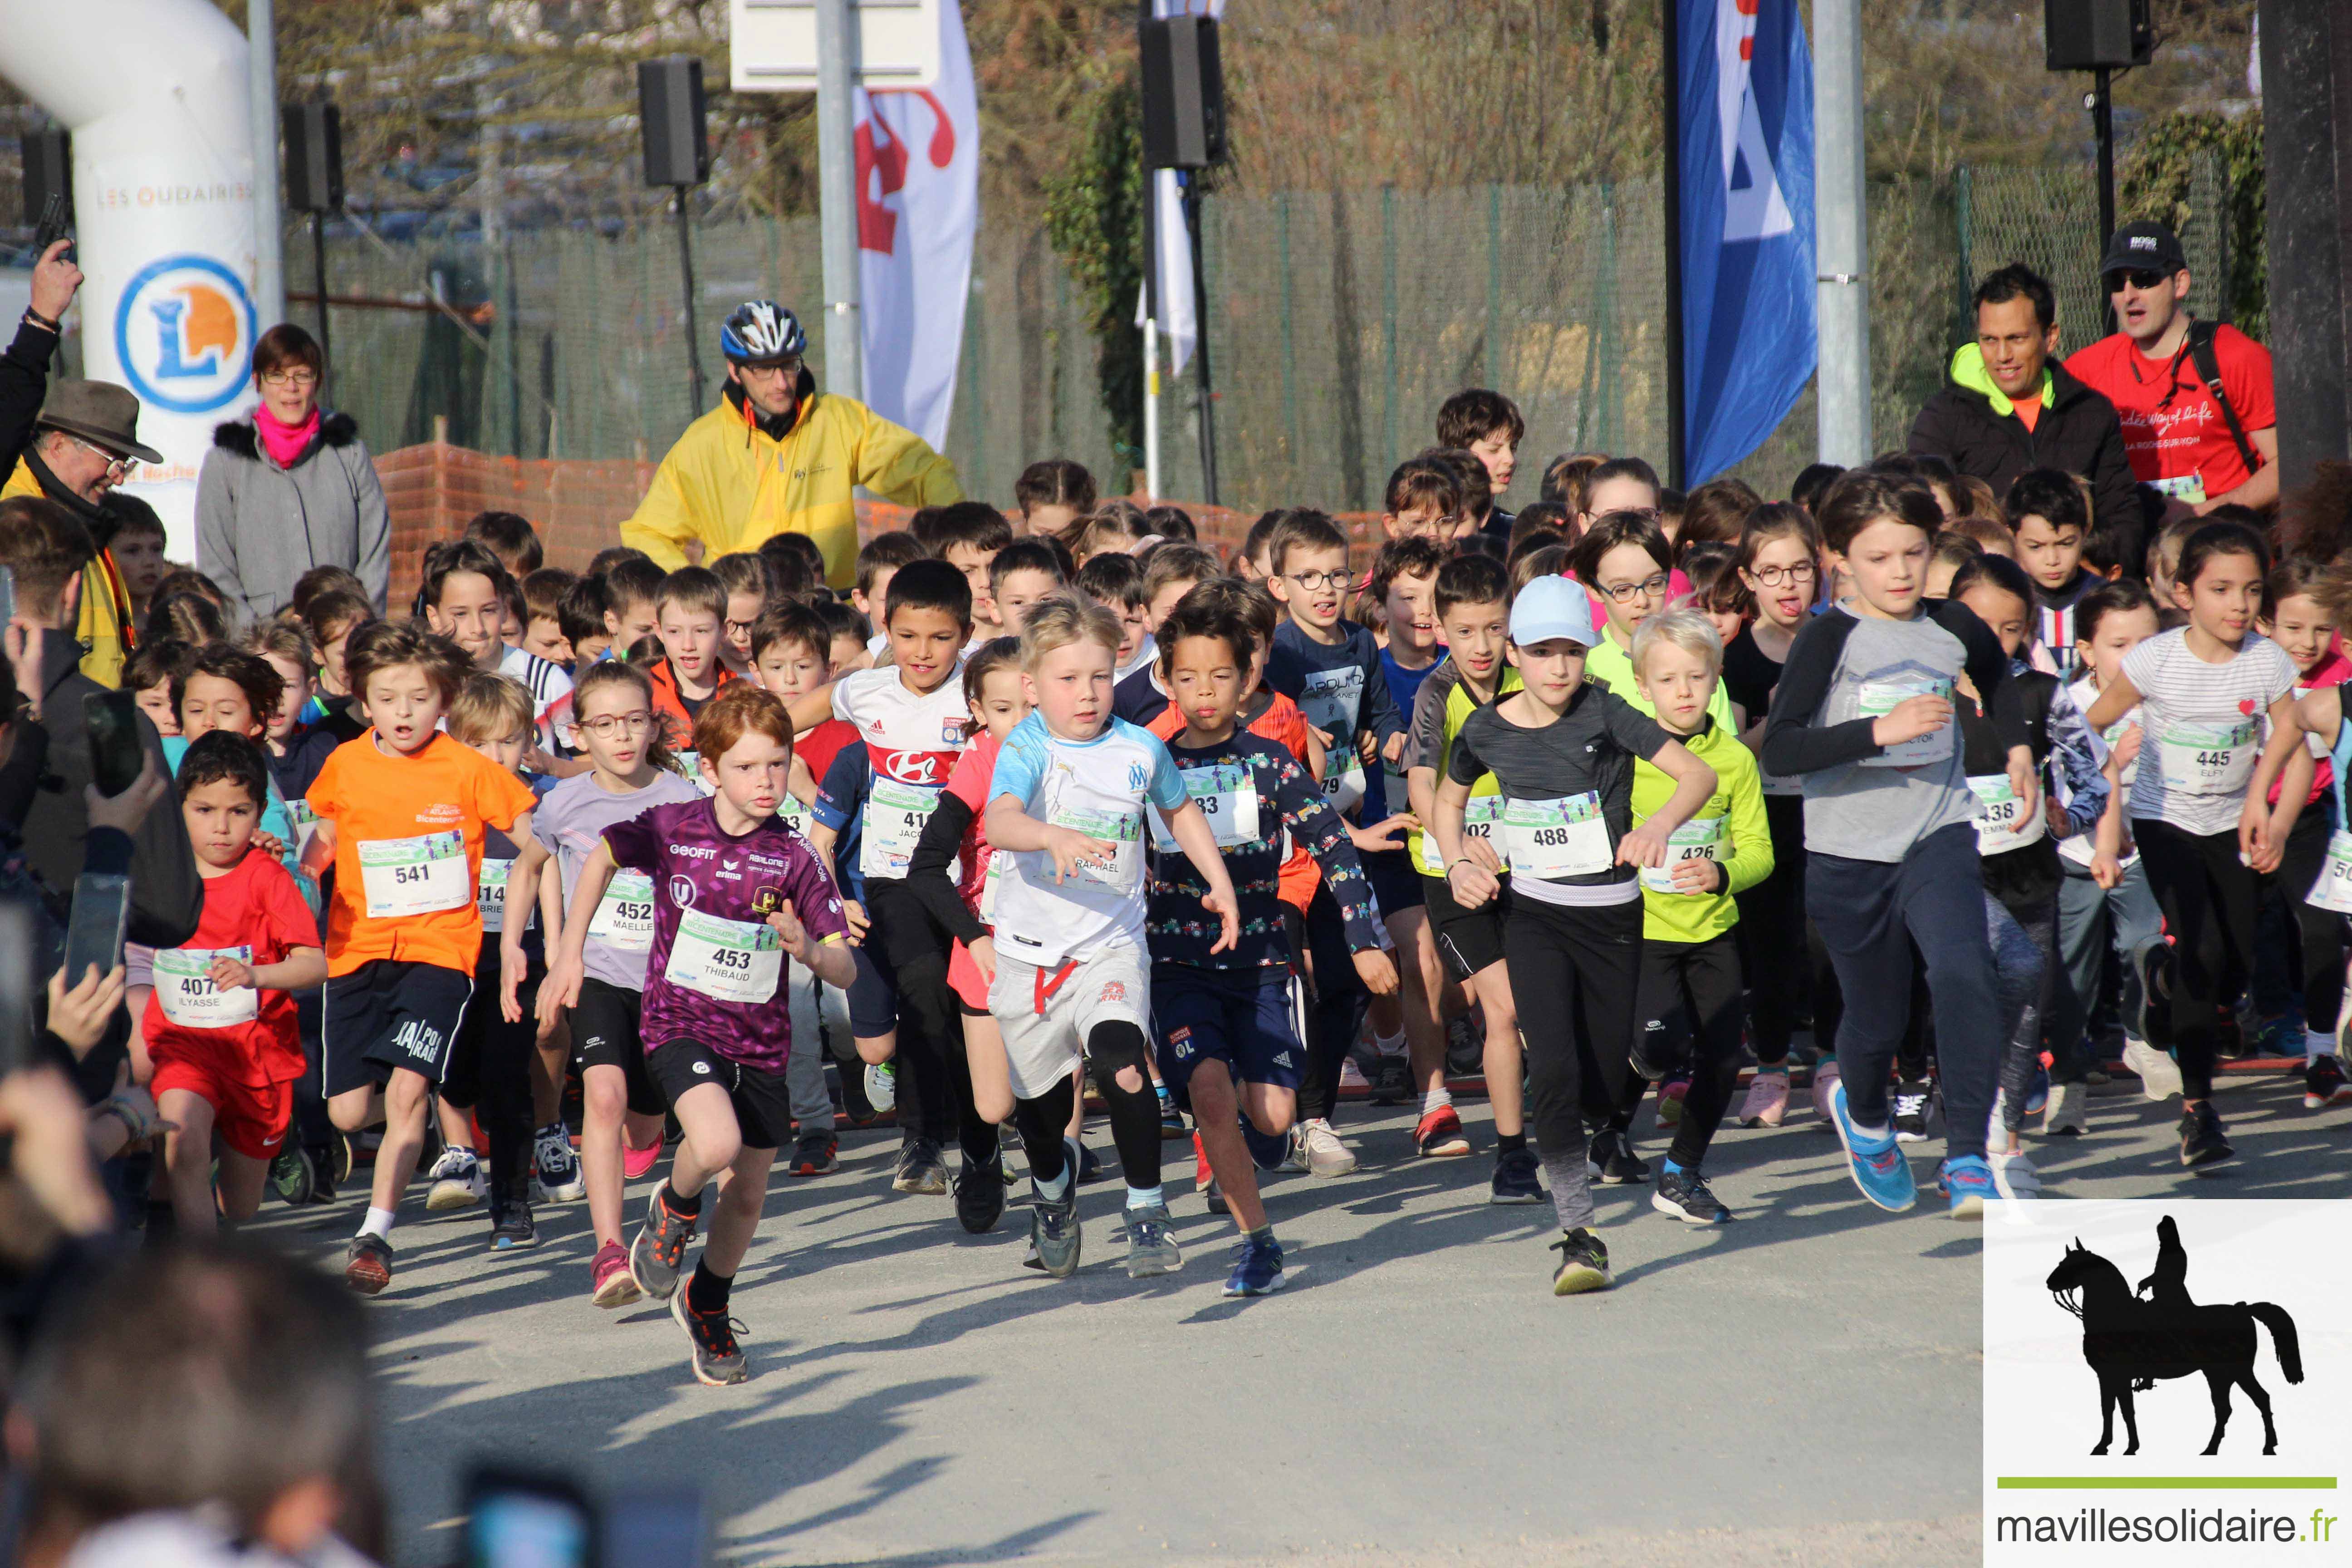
{"points": [[602, 1099], [1117, 1047]]}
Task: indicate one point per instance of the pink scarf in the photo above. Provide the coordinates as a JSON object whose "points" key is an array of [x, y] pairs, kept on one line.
{"points": [[284, 442]]}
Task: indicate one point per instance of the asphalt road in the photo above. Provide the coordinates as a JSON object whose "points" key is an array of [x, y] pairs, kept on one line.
{"points": [[1800, 1387]]}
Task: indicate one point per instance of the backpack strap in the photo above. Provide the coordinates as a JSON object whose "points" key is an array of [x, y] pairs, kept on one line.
{"points": [[2209, 371]]}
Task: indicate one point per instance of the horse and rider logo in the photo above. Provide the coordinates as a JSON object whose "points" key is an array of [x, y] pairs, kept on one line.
{"points": [[2135, 1338]]}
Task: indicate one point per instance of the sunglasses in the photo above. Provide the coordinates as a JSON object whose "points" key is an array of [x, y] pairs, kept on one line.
{"points": [[2136, 277]]}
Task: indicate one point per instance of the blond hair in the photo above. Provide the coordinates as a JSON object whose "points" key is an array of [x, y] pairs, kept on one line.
{"points": [[1685, 629], [1058, 620], [490, 707]]}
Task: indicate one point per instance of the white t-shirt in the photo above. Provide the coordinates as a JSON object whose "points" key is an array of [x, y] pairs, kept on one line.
{"points": [[547, 682], [2201, 728], [2081, 846], [1102, 788], [912, 739], [1144, 652]]}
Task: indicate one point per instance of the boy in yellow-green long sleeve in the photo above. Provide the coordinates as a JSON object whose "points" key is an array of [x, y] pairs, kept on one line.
{"points": [[1690, 956]]}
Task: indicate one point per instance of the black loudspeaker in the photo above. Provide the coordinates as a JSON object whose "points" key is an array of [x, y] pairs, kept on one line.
{"points": [[1183, 94], [2083, 35], [669, 102], [48, 170], [314, 157]]}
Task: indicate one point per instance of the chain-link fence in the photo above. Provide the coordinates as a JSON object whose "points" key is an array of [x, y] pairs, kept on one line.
{"points": [[1338, 321]]}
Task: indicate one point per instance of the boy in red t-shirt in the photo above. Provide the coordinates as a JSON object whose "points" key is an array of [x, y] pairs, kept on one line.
{"points": [[219, 1025]]}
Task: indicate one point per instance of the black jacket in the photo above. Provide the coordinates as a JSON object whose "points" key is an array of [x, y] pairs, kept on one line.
{"points": [[167, 897], [24, 384], [2077, 432]]}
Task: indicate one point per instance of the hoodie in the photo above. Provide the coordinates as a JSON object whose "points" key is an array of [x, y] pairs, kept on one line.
{"points": [[1975, 427]]}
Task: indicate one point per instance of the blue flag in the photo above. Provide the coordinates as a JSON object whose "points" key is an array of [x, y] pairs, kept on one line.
{"points": [[1746, 165]]}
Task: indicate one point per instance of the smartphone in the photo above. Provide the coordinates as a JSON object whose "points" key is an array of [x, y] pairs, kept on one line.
{"points": [[115, 754], [517, 1519], [101, 906], [20, 982], [655, 1529], [53, 226]]}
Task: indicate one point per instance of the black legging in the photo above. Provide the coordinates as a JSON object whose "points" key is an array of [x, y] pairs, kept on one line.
{"points": [[2208, 897], [1337, 1000], [2320, 933], [1771, 934], [490, 1074], [1702, 979], [934, 1077]]}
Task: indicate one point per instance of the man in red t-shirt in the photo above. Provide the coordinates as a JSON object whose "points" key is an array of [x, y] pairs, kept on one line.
{"points": [[2177, 439]]}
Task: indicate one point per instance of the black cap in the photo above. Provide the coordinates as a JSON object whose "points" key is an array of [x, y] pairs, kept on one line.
{"points": [[2144, 247]]}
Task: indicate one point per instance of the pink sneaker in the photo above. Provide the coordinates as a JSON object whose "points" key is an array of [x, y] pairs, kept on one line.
{"points": [[1825, 1074], [636, 1163], [612, 1287], [1768, 1099], [1671, 1094]]}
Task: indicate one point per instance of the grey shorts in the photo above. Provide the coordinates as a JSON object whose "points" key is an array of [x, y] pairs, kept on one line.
{"points": [[1046, 1015]]}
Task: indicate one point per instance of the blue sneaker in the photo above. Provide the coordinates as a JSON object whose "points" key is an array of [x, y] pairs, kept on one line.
{"points": [[1965, 1182], [1258, 1268], [1878, 1165], [2037, 1093]]}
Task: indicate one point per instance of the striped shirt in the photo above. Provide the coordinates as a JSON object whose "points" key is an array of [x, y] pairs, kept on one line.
{"points": [[2201, 728]]}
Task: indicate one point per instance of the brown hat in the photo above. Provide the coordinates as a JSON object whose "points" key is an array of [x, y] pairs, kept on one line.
{"points": [[99, 412]]}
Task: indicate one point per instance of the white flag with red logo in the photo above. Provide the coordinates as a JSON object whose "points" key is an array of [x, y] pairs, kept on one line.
{"points": [[918, 209]]}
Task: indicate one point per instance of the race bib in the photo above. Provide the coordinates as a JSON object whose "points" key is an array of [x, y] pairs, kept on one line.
{"points": [[1700, 838], [1330, 699], [305, 822], [2190, 488], [1882, 697], [727, 961], [1479, 815], [490, 894], [988, 888], [689, 764], [1343, 780], [183, 985], [793, 812], [1555, 838], [1226, 793], [2209, 759], [1775, 783], [1121, 829], [624, 915], [418, 875], [2003, 822], [895, 814], [2332, 892]]}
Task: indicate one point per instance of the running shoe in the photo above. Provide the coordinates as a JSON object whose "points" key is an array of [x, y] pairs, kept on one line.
{"points": [[1090, 1165], [2013, 1175], [1327, 1157], [513, 1231], [2152, 1018], [1825, 1078], [1518, 1178], [367, 1263], [1391, 1081], [457, 1181], [1055, 1235], [2160, 1075], [920, 1170], [1439, 1135], [979, 1193], [1267, 1150], [1216, 1198], [2065, 1115], [294, 1176], [659, 1250], [2279, 1036], [1171, 1121], [817, 1154], [1911, 1102], [882, 1086], [1966, 1183], [1583, 1264], [1670, 1101], [1611, 1160], [1351, 1077], [1150, 1247], [2202, 1140], [1202, 1175], [558, 1173], [609, 1283], [1258, 1268], [1465, 1047], [636, 1164], [2037, 1093], [1295, 1159], [1768, 1099], [1685, 1195], [718, 1359], [2323, 1082], [1878, 1164]]}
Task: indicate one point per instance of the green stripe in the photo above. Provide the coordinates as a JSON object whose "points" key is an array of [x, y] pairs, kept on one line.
{"points": [[2167, 1483]]}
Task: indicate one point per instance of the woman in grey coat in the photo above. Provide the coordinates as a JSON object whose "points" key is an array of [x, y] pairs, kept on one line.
{"points": [[289, 486]]}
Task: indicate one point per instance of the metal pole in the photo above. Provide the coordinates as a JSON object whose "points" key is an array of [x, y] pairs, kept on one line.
{"points": [[1150, 282], [1671, 27], [268, 224], [693, 333], [837, 159], [2103, 126], [1841, 236], [1151, 408], [319, 282], [1201, 345]]}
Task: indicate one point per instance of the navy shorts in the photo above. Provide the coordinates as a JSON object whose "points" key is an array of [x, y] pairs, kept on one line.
{"points": [[1239, 1016], [1396, 883], [390, 1013], [874, 991]]}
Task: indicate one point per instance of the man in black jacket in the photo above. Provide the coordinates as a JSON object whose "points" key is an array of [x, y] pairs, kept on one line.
{"points": [[2007, 407], [25, 367]]}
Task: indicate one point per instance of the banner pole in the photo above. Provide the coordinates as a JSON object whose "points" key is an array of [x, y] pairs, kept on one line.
{"points": [[1671, 29], [837, 163], [1841, 237]]}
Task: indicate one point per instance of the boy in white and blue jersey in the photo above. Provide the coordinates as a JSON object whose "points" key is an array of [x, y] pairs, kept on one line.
{"points": [[1066, 810]]}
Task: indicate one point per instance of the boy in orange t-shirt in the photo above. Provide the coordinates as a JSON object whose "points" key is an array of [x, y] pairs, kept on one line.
{"points": [[400, 815]]}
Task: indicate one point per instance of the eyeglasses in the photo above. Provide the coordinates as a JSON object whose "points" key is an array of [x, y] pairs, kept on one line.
{"points": [[301, 380], [116, 468], [2138, 278], [740, 629], [1647, 588], [1315, 581], [604, 726], [1774, 576]]}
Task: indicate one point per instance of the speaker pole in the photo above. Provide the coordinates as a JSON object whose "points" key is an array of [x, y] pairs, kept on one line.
{"points": [[319, 282], [1671, 25], [1200, 340], [686, 271], [2102, 126]]}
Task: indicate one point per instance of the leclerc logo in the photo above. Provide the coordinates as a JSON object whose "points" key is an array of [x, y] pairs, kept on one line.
{"points": [[2164, 1381], [184, 334]]}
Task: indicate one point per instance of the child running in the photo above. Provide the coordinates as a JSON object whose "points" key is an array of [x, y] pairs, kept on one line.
{"points": [[736, 893]]}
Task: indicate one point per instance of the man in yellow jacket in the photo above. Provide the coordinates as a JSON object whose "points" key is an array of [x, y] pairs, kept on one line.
{"points": [[84, 442], [775, 456]]}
